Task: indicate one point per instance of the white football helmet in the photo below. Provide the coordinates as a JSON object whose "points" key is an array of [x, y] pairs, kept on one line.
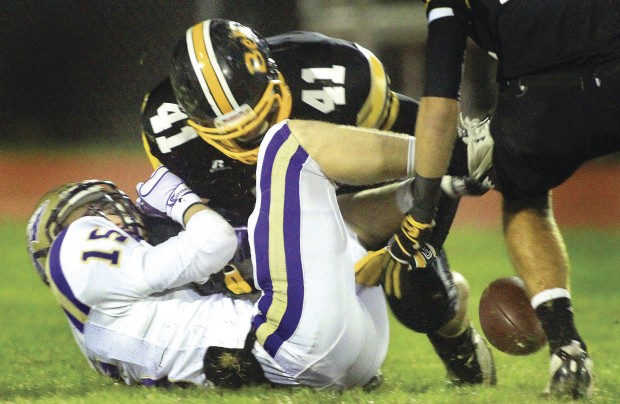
{"points": [[63, 205]]}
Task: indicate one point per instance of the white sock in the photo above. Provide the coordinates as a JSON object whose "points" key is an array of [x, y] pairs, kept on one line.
{"points": [[548, 294]]}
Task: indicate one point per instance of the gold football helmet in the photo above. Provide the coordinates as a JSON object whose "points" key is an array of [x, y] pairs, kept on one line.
{"points": [[226, 82]]}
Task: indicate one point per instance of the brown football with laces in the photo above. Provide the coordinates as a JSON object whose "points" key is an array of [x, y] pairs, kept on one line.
{"points": [[507, 318]]}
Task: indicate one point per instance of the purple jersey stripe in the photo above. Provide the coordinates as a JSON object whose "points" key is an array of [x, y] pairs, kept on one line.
{"points": [[58, 277], [292, 246], [261, 232], [291, 236], [77, 323]]}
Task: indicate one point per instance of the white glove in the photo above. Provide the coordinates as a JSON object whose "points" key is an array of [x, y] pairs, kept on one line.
{"points": [[457, 187], [165, 194], [475, 133]]}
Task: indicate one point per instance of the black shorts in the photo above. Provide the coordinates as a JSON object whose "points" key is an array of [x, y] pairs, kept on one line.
{"points": [[545, 126]]}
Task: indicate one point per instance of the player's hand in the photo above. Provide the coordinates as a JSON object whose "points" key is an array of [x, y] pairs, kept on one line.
{"points": [[476, 135], [408, 249], [238, 280], [165, 194], [457, 187], [234, 280], [369, 269]]}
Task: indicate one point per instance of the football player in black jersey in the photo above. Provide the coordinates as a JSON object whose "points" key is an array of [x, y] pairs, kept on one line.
{"points": [[558, 107], [228, 86], [317, 78]]}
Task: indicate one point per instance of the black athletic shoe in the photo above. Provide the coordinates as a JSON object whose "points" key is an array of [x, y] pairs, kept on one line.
{"points": [[467, 358], [375, 382], [571, 373]]}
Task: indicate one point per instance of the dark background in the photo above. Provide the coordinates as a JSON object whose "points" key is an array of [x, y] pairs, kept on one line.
{"points": [[74, 72]]}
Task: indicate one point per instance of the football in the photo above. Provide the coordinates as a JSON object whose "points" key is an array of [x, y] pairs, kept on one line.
{"points": [[507, 318]]}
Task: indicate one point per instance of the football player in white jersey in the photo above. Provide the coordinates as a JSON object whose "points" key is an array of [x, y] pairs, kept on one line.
{"points": [[126, 301], [312, 317], [135, 318]]}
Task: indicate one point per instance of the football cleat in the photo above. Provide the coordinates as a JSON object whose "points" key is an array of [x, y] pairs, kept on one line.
{"points": [[467, 358], [375, 382], [571, 373]]}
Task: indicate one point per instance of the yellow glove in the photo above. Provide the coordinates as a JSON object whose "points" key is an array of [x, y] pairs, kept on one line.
{"points": [[369, 269], [407, 247], [235, 282]]}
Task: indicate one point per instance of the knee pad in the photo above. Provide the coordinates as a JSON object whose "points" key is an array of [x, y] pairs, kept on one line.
{"points": [[427, 298]]}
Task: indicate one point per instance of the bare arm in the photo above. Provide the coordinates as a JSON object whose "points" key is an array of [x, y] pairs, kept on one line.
{"points": [[435, 134], [448, 22]]}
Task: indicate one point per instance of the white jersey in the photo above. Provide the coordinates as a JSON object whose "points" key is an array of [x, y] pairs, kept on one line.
{"points": [[129, 309], [134, 317], [318, 325]]}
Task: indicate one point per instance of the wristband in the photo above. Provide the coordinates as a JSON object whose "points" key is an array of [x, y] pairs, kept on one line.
{"points": [[426, 193]]}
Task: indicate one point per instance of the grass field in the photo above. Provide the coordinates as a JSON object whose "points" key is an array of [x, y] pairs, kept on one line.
{"points": [[41, 363]]}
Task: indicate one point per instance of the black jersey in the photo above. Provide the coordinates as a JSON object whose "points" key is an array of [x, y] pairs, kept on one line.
{"points": [[330, 80], [527, 36]]}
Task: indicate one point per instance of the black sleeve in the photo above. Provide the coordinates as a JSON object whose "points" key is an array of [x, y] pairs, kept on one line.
{"points": [[160, 229], [407, 114], [445, 48]]}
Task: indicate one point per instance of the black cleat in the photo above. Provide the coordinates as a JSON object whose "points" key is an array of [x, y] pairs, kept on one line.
{"points": [[467, 358], [374, 383], [571, 373]]}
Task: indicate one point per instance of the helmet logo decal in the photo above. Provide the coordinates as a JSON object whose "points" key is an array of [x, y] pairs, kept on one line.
{"points": [[254, 60]]}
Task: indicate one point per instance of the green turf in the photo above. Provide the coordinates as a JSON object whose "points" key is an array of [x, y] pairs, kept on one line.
{"points": [[41, 363]]}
